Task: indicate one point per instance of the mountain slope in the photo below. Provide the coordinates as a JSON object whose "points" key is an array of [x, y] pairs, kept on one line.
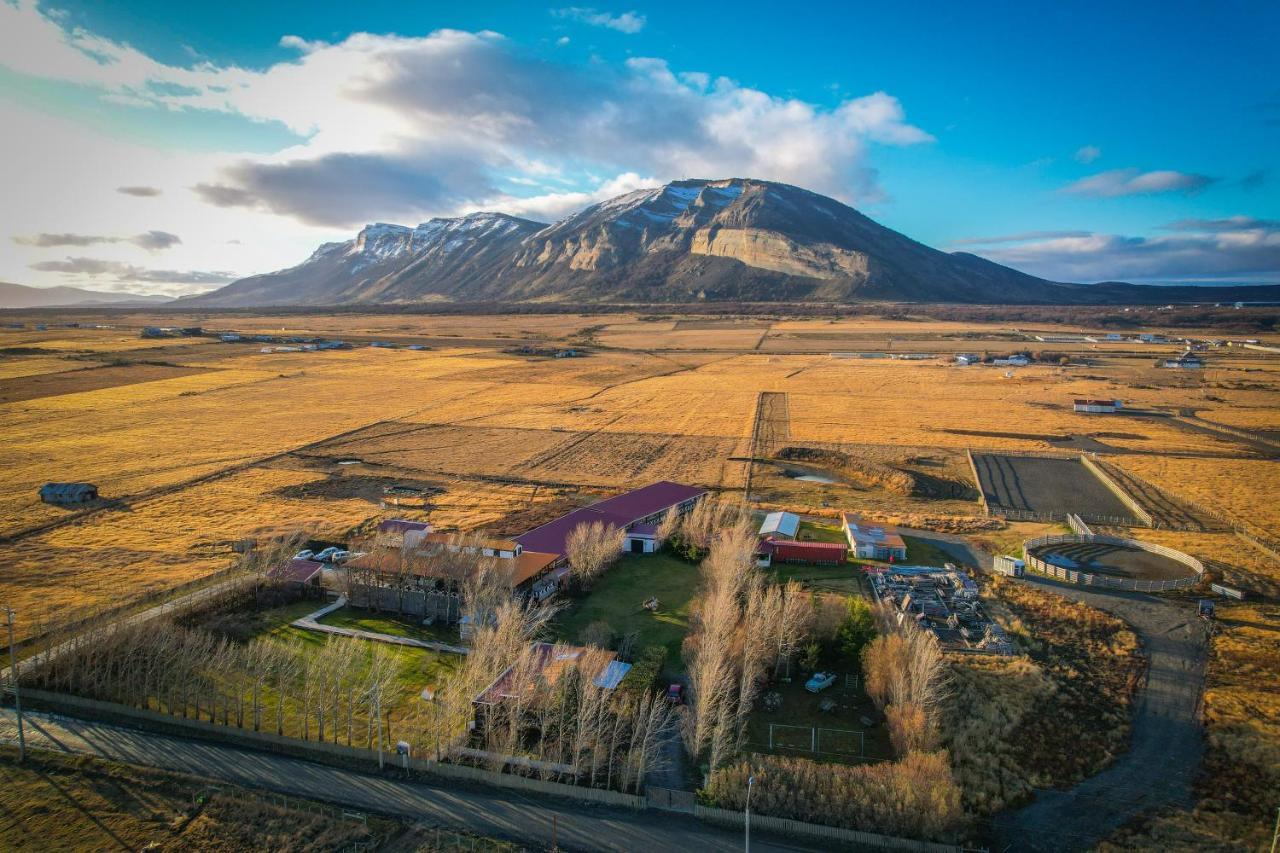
{"points": [[385, 263], [736, 239], [21, 296]]}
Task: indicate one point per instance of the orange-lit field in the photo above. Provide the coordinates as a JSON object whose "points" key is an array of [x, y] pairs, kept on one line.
{"points": [[195, 443]]}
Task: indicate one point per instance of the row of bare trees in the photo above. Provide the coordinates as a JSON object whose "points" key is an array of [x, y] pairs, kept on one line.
{"points": [[337, 691], [553, 719], [742, 630]]}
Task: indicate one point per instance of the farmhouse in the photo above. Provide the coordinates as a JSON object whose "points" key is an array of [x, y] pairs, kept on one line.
{"points": [[780, 525], [636, 512], [1098, 406], [1186, 361], [772, 550], [68, 493], [1012, 361], [873, 541], [549, 663]]}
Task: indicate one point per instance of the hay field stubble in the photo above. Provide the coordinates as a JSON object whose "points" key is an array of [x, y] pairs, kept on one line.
{"points": [[493, 433]]}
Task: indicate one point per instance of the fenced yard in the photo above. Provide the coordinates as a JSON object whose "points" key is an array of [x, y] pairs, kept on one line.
{"points": [[800, 728], [617, 599], [1043, 487]]}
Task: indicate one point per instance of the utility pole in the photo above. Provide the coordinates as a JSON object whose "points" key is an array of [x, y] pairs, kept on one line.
{"points": [[377, 712], [1275, 833], [751, 780], [13, 681]]}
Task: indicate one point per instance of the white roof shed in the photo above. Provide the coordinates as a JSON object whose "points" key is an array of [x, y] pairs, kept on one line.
{"points": [[780, 524]]}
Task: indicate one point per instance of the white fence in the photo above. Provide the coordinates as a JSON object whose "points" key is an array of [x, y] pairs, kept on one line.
{"points": [[1039, 566], [1117, 490], [1077, 525]]}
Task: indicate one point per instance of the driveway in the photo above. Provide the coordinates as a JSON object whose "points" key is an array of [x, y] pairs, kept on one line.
{"points": [[532, 821], [1166, 743]]}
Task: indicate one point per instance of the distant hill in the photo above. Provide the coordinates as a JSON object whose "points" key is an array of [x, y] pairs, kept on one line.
{"points": [[739, 240], [21, 296]]}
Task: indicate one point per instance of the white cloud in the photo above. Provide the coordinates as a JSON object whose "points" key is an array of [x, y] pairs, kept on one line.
{"points": [[1234, 249], [1123, 182], [398, 129], [1088, 154], [627, 22]]}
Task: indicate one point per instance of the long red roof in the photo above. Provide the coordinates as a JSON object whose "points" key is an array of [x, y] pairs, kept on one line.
{"points": [[619, 511]]}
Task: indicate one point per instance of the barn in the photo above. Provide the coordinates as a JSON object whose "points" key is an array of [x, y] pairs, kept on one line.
{"points": [[771, 551], [1098, 406], [66, 494], [780, 525]]}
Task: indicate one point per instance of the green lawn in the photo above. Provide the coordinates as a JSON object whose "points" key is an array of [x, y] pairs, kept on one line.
{"points": [[390, 623], [418, 667], [618, 596], [800, 709]]}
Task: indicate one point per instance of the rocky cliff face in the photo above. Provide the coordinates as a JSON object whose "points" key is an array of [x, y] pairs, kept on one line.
{"points": [[735, 239]]}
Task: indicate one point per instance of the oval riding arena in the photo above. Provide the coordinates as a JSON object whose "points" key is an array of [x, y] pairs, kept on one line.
{"points": [[1111, 561]]}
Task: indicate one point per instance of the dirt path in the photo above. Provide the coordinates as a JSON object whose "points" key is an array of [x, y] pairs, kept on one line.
{"points": [[1166, 743]]}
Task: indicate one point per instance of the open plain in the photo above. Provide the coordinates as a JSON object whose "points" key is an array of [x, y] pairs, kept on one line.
{"points": [[196, 443]]}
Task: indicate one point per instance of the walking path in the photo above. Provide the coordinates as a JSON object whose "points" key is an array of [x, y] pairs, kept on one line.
{"points": [[311, 622], [536, 822]]}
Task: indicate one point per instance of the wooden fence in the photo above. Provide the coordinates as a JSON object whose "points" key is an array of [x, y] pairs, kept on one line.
{"points": [[1116, 489], [1039, 566]]}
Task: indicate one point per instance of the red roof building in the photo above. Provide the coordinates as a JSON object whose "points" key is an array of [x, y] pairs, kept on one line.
{"points": [[790, 551], [299, 572], [640, 508]]}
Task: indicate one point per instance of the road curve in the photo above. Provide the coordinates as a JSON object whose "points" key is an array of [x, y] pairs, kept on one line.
{"points": [[1166, 742]]}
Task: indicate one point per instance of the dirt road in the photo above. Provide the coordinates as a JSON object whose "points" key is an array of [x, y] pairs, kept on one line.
{"points": [[1166, 745]]}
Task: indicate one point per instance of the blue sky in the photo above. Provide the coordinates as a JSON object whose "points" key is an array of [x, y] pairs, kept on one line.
{"points": [[1084, 141]]}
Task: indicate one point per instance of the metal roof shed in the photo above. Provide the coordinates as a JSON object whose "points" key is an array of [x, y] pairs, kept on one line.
{"points": [[785, 524]]}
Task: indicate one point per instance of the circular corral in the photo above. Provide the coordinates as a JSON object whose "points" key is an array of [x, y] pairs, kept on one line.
{"points": [[1111, 561]]}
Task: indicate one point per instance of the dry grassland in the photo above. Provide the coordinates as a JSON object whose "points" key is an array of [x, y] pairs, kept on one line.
{"points": [[494, 434], [1243, 488]]}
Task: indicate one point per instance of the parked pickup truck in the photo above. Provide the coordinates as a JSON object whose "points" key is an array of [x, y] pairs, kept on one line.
{"points": [[820, 681]]}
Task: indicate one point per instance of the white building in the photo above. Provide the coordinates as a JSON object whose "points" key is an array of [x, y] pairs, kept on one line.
{"points": [[780, 525]]}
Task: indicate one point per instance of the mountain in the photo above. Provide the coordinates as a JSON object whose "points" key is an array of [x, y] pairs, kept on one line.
{"points": [[734, 240], [387, 263], [20, 296]]}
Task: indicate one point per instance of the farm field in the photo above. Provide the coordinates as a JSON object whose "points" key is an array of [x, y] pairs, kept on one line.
{"points": [[196, 444]]}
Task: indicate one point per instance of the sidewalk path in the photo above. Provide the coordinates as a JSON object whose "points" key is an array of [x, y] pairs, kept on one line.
{"points": [[311, 622]]}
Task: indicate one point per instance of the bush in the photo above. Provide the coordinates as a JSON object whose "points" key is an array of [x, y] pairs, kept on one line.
{"points": [[858, 629], [644, 673], [913, 797]]}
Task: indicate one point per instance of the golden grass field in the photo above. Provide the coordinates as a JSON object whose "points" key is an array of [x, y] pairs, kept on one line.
{"points": [[250, 445]]}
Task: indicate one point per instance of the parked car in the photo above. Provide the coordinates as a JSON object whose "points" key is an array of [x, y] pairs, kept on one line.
{"points": [[327, 554], [820, 681], [675, 694], [340, 557], [304, 555]]}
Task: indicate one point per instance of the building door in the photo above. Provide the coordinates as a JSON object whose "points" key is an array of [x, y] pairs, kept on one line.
{"points": [[637, 546]]}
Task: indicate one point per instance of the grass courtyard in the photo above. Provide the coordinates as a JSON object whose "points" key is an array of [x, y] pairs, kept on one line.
{"points": [[618, 598]]}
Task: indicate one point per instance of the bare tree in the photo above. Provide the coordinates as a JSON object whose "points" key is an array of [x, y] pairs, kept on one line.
{"points": [[593, 547]]}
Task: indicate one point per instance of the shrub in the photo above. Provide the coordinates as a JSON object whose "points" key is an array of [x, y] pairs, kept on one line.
{"points": [[915, 796], [644, 673]]}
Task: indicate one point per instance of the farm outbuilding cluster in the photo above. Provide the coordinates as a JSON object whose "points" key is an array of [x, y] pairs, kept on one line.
{"points": [[944, 601], [871, 541]]}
